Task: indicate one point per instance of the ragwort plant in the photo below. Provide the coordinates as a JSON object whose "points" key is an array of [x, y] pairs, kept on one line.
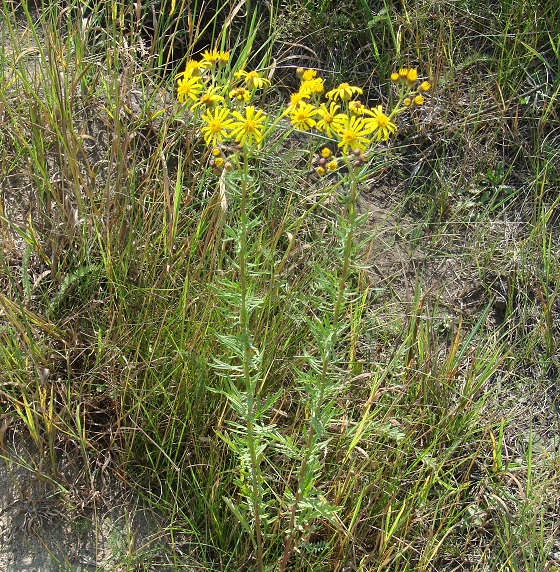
{"points": [[239, 134]]}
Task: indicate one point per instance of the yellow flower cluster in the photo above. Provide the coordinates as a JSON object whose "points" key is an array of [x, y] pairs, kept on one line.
{"points": [[410, 93], [224, 101], [341, 117], [346, 119]]}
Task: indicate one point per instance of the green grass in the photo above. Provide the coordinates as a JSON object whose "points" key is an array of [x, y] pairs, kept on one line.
{"points": [[409, 360]]}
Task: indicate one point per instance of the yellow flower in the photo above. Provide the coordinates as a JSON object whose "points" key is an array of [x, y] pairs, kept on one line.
{"points": [[216, 152], [403, 73], [249, 127], [356, 107], [252, 79], [329, 118], [296, 99], [219, 162], [312, 86], [418, 100], [380, 124], [192, 68], [300, 72], [395, 77], [210, 98], [411, 76], [210, 58], [320, 171], [407, 102], [223, 58], [240, 93], [424, 86], [188, 88], [308, 75], [332, 165], [217, 126], [352, 134], [302, 116], [326, 152], [345, 91]]}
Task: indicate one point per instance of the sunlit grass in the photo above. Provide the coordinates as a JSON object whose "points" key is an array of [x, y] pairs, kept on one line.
{"points": [[409, 358]]}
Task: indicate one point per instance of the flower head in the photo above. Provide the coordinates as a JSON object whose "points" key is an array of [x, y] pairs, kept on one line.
{"points": [[356, 107], [296, 99], [345, 91], [188, 87], [329, 118], [352, 134], [312, 86], [223, 58], [411, 76], [192, 68], [418, 100], [248, 128], [252, 79], [210, 58], [332, 165], [217, 126], [240, 94], [308, 75], [210, 98], [424, 86], [302, 116], [380, 124]]}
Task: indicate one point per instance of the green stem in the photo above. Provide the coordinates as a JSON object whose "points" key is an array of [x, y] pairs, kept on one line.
{"points": [[247, 350], [327, 359]]}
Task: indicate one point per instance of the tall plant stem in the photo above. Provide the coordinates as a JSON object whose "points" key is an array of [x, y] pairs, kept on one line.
{"points": [[326, 360], [247, 350]]}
